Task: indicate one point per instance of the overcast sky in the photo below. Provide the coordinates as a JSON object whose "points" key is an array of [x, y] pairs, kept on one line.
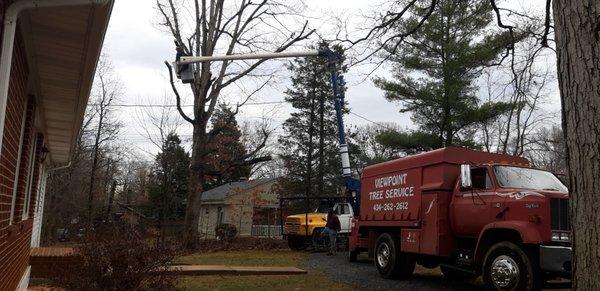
{"points": [[138, 48]]}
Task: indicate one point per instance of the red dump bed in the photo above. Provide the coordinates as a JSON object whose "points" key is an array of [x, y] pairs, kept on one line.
{"points": [[391, 191]]}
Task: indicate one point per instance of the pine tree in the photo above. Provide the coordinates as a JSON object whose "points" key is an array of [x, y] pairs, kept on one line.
{"points": [[310, 146], [225, 147], [168, 181], [436, 68]]}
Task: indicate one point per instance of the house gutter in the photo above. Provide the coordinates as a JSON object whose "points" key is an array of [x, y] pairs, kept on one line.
{"points": [[8, 38]]}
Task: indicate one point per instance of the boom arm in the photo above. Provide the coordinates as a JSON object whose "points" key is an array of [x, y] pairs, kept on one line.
{"points": [[184, 72]]}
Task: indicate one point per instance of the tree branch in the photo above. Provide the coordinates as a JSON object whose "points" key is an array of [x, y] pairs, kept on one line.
{"points": [[177, 97]]}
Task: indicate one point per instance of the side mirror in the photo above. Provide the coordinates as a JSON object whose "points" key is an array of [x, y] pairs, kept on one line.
{"points": [[465, 176]]}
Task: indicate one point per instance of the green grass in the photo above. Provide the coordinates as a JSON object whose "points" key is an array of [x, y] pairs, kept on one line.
{"points": [[311, 281]]}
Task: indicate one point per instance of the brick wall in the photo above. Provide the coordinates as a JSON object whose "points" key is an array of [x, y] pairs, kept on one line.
{"points": [[14, 238]]}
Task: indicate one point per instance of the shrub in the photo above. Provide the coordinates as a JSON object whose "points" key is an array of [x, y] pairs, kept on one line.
{"points": [[117, 257], [226, 232]]}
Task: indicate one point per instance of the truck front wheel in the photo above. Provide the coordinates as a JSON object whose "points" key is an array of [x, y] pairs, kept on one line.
{"points": [[508, 267], [390, 262], [296, 243]]}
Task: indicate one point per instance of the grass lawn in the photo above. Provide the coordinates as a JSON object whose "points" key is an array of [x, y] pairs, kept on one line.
{"points": [[310, 281]]}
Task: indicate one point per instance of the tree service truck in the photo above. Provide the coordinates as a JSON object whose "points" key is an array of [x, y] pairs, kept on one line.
{"points": [[470, 212]]}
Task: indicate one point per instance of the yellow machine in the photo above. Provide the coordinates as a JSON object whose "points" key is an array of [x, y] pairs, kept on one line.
{"points": [[300, 234]]}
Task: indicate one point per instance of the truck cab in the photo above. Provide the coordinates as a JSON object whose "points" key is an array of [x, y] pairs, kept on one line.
{"points": [[526, 206]]}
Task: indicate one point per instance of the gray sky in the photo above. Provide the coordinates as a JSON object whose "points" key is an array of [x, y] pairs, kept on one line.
{"points": [[138, 47]]}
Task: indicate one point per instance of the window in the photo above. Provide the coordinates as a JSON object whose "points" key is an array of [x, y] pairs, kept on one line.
{"points": [[345, 209], [481, 179], [527, 178]]}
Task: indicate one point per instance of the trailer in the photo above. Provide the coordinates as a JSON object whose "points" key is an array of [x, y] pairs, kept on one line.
{"points": [[470, 212]]}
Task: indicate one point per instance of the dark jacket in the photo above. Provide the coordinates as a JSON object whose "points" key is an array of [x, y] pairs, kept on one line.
{"points": [[333, 222]]}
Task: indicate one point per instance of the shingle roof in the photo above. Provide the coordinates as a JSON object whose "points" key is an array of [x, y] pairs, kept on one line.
{"points": [[219, 193]]}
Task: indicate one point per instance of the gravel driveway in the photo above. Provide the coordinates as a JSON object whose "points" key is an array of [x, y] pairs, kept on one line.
{"points": [[364, 275]]}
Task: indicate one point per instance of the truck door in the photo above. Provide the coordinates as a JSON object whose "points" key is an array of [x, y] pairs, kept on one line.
{"points": [[344, 213], [471, 208]]}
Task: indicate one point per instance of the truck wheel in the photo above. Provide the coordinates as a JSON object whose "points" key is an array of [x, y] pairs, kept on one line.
{"points": [[452, 274], [390, 262], [319, 242], [508, 267], [296, 244]]}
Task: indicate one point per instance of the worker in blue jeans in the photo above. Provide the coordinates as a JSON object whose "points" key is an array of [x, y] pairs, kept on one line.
{"points": [[331, 229]]}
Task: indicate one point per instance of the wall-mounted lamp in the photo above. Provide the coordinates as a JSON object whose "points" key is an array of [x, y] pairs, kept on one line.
{"points": [[45, 152]]}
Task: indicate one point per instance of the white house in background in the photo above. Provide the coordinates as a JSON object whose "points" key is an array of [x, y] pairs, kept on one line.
{"points": [[250, 205]]}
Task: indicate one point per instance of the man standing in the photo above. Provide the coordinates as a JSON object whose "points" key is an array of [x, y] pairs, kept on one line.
{"points": [[331, 228]]}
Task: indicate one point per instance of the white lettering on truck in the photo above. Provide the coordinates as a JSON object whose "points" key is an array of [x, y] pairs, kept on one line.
{"points": [[391, 181], [401, 190]]}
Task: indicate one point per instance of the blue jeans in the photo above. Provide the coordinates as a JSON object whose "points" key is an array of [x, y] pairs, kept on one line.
{"points": [[332, 236]]}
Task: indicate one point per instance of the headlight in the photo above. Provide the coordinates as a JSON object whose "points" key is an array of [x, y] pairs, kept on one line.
{"points": [[562, 236]]}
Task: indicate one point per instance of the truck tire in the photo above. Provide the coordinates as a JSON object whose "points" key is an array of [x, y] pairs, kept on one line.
{"points": [[319, 243], [390, 262], [508, 267], [352, 256], [296, 243]]}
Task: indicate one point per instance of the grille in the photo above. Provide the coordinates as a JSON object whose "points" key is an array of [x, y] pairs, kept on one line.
{"points": [[559, 212]]}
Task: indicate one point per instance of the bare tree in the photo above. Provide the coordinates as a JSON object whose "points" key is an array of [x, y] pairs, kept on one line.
{"points": [[526, 85], [157, 122], [253, 134], [107, 90], [219, 28], [547, 150]]}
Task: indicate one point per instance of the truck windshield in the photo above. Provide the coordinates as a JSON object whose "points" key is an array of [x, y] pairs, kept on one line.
{"points": [[323, 208], [527, 178]]}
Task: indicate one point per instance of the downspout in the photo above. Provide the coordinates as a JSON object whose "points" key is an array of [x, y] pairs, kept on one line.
{"points": [[8, 37]]}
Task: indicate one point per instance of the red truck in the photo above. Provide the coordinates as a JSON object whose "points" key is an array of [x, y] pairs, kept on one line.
{"points": [[469, 212]]}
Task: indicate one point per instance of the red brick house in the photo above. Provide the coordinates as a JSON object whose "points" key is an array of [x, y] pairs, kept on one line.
{"points": [[49, 51]]}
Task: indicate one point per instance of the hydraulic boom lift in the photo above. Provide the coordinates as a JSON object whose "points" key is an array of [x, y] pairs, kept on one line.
{"points": [[185, 73]]}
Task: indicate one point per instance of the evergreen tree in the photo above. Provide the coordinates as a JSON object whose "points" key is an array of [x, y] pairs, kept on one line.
{"points": [[168, 181], [225, 148], [435, 72], [309, 144]]}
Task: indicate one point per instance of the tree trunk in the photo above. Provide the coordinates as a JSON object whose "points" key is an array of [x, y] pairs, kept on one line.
{"points": [[195, 188], [577, 29], [111, 198], [94, 167]]}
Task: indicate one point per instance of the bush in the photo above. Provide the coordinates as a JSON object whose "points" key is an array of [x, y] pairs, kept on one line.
{"points": [[226, 232], [117, 257]]}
